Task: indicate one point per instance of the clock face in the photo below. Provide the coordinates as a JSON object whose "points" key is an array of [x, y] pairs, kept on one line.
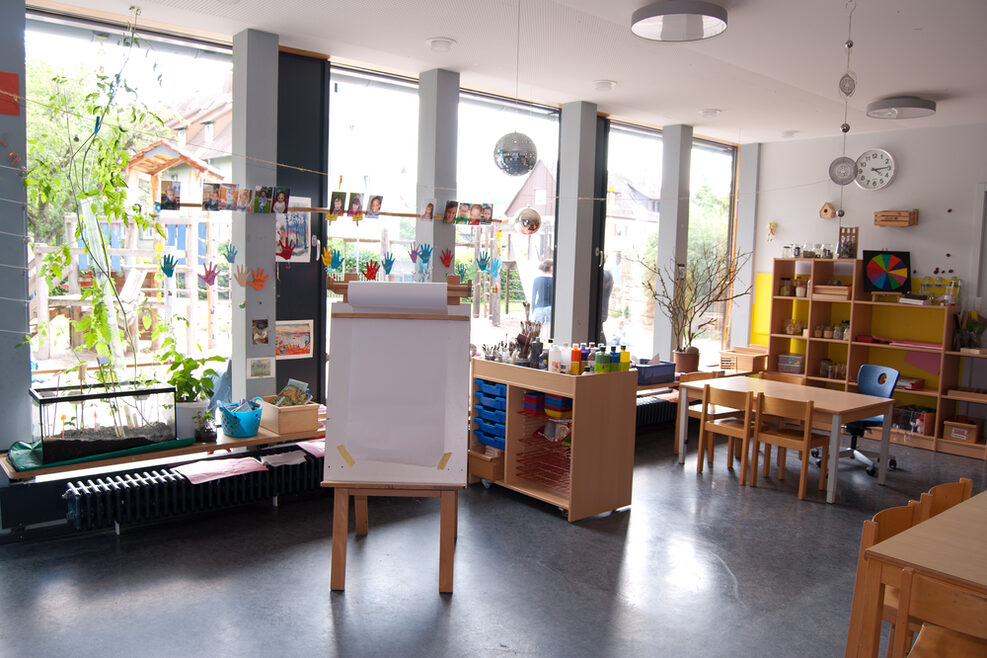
{"points": [[875, 169]]}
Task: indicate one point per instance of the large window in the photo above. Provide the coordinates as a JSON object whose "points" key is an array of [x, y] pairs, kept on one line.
{"points": [[188, 87], [710, 224], [526, 258], [631, 237]]}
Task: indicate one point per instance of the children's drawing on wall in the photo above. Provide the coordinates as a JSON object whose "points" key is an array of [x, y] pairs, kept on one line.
{"points": [[373, 206], [171, 192], [293, 229], [281, 196], [262, 199], [258, 331], [261, 368], [293, 339]]}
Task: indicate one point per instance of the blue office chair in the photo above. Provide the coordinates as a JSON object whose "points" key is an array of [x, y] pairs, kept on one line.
{"points": [[871, 380]]}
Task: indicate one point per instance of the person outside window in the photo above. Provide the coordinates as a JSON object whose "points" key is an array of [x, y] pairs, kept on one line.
{"points": [[541, 294]]}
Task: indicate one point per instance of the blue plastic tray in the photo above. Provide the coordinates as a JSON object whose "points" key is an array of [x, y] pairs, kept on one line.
{"points": [[491, 402], [487, 440], [490, 388], [493, 429], [491, 415]]}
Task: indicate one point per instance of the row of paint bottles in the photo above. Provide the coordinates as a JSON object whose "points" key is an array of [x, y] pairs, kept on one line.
{"points": [[583, 359]]}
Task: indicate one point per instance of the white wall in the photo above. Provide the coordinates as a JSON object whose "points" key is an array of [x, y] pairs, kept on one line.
{"points": [[938, 169]]}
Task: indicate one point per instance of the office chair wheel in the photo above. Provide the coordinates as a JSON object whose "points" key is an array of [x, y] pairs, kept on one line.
{"points": [[892, 464], [871, 471], [486, 483]]}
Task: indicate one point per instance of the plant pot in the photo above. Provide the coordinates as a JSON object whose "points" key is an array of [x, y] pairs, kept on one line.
{"points": [[205, 434], [185, 417], [686, 361]]}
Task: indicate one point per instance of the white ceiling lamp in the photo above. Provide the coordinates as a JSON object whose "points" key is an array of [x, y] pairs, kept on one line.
{"points": [[901, 107], [515, 153], [710, 112], [679, 20], [604, 85], [440, 44]]}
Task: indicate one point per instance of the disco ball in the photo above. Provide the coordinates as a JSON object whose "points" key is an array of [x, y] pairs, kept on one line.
{"points": [[515, 154], [528, 221]]}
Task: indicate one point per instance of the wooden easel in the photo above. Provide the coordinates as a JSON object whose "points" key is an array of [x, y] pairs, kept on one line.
{"points": [[448, 522]]}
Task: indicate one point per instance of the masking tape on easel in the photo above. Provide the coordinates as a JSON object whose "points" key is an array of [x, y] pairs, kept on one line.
{"points": [[345, 455], [444, 460]]}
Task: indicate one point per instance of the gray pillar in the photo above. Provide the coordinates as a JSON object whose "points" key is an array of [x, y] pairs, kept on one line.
{"points": [[575, 261], [255, 121], [673, 220], [747, 174], [15, 408], [438, 134]]}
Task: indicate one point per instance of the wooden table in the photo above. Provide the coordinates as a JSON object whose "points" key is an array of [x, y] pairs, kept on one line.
{"points": [[951, 547], [832, 410]]}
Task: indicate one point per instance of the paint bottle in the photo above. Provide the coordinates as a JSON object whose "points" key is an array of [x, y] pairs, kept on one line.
{"points": [[565, 360], [614, 359], [554, 358], [602, 363], [543, 361], [577, 361], [625, 359]]}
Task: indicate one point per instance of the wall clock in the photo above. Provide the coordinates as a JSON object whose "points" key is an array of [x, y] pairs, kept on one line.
{"points": [[875, 169]]}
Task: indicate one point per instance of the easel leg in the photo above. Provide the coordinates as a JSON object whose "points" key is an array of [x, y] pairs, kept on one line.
{"points": [[447, 538], [340, 528], [360, 514]]}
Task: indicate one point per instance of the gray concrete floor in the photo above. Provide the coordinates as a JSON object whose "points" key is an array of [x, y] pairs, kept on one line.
{"points": [[697, 566]]}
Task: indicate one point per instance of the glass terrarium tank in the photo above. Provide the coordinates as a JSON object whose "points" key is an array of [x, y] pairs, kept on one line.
{"points": [[84, 420]]}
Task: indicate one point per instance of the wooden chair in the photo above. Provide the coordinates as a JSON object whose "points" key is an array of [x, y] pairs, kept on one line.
{"points": [[776, 425], [695, 412], [786, 377], [954, 619], [886, 523], [737, 426], [943, 496]]}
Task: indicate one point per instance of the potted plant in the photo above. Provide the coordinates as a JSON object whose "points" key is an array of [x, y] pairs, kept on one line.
{"points": [[686, 293], [193, 383], [205, 428]]}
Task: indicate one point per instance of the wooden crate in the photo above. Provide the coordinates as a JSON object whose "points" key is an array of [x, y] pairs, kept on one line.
{"points": [[896, 217], [286, 420], [486, 467], [830, 293], [955, 430], [753, 358]]}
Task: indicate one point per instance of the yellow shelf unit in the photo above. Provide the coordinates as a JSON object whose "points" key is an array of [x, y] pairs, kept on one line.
{"points": [[900, 323]]}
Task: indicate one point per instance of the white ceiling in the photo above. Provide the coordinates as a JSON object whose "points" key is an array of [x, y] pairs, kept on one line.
{"points": [[775, 69]]}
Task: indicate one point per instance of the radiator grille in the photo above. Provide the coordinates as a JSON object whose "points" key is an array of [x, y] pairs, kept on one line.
{"points": [[149, 495]]}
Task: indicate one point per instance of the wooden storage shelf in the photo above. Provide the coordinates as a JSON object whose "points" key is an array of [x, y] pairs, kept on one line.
{"points": [[925, 323], [592, 476], [792, 336]]}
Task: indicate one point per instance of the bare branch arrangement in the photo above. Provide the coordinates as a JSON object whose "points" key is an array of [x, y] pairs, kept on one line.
{"points": [[686, 294]]}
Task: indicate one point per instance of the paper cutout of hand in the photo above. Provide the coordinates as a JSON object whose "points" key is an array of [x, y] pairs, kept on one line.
{"points": [[230, 254], [240, 276], [495, 265], [461, 271], [286, 248], [370, 270], [260, 278], [326, 256], [336, 261], [425, 253], [209, 272], [446, 257], [388, 262], [483, 261], [168, 265], [413, 252]]}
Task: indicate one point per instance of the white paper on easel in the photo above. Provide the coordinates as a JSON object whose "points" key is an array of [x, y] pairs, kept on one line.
{"points": [[397, 297]]}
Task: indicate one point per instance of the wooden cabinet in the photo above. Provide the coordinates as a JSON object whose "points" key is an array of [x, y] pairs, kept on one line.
{"points": [[591, 476], [919, 340]]}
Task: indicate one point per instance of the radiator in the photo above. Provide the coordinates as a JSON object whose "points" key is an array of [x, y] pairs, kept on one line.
{"points": [[149, 495], [652, 410]]}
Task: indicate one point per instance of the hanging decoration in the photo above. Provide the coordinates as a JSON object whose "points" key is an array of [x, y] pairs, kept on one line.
{"points": [[370, 269], [843, 170], [168, 265], [240, 276], [209, 272], [258, 280], [528, 221], [230, 254], [515, 153], [446, 257], [388, 262], [482, 261]]}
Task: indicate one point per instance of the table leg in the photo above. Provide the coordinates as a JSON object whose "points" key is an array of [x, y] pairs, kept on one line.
{"points": [[447, 538], [683, 422], [882, 467], [834, 458], [340, 528], [360, 514]]}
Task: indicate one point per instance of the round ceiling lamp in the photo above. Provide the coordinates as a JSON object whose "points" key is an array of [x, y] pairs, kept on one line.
{"points": [[515, 154], [901, 107], [679, 20], [528, 221]]}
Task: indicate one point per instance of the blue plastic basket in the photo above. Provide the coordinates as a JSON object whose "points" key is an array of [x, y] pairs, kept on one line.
{"points": [[240, 424], [490, 388], [487, 440], [491, 415], [493, 429], [490, 402]]}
